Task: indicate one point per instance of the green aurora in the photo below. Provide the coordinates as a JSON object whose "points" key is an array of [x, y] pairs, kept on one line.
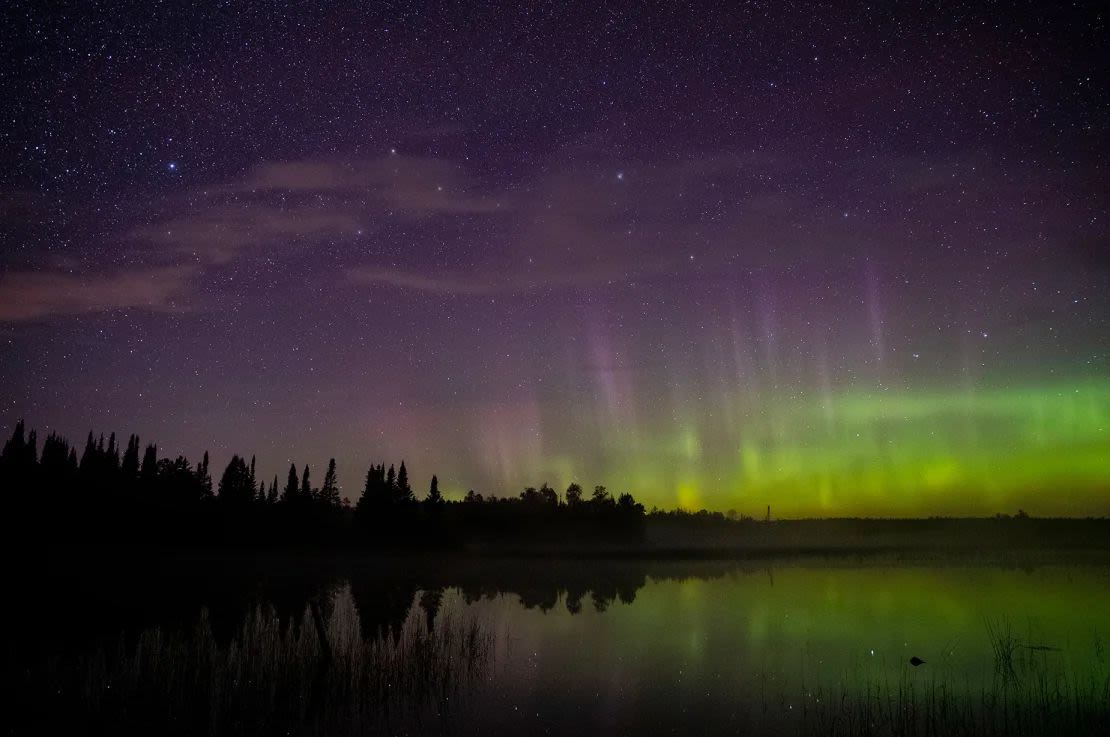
{"points": [[1044, 449]]}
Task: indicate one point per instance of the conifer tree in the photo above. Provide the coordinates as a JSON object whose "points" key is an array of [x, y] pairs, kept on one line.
{"points": [[88, 458], [129, 467], [434, 499], [204, 478], [148, 472], [113, 454], [292, 486], [403, 494], [30, 457], [13, 449], [329, 492], [306, 486], [403, 479], [20, 452], [19, 458], [365, 499], [55, 454], [235, 485]]}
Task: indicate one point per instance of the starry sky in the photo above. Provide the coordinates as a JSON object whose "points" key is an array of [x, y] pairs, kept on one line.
{"points": [[845, 259]]}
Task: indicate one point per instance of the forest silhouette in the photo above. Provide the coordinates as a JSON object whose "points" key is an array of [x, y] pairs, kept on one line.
{"points": [[114, 493], [111, 493]]}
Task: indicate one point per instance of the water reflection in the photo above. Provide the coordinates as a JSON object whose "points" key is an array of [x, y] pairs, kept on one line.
{"points": [[561, 646]]}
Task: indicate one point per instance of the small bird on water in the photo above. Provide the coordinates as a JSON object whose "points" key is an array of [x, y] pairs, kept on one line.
{"points": [[916, 661]]}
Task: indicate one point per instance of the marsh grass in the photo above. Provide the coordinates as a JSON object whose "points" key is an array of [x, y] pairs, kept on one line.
{"points": [[1031, 691], [275, 678], [1005, 645]]}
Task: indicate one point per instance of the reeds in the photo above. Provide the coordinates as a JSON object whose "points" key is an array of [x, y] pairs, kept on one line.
{"points": [[275, 678], [1028, 693]]}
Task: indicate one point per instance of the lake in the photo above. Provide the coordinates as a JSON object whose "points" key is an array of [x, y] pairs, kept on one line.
{"points": [[579, 646]]}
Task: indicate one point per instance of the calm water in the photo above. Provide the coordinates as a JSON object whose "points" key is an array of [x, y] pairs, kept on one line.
{"points": [[696, 651], [611, 647]]}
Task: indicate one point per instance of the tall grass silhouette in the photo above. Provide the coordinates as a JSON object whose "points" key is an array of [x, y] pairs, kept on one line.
{"points": [[276, 678], [1026, 694]]}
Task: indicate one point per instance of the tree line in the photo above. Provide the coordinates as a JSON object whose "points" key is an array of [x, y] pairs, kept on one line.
{"points": [[114, 493]]}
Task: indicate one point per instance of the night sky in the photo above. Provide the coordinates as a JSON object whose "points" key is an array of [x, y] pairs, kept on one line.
{"points": [[840, 260]]}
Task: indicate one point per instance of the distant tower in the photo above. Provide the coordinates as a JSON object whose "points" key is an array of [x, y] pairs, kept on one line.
{"points": [[768, 519]]}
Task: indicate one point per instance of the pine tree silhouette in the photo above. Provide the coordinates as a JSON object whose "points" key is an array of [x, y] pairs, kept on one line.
{"points": [[88, 458], [306, 486], [404, 491], [292, 486], [113, 454], [574, 495], [329, 492], [435, 499], [235, 485], [129, 467], [204, 478], [148, 472]]}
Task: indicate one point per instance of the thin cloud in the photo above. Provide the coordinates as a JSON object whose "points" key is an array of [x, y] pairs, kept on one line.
{"points": [[473, 284], [446, 285], [313, 199], [218, 234], [409, 184], [31, 295], [582, 229]]}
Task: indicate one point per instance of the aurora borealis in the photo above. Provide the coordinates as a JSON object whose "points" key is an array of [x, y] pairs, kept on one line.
{"points": [[838, 261]]}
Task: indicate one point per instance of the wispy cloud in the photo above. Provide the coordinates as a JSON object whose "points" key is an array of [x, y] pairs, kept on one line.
{"points": [[276, 205], [472, 284], [578, 224], [218, 234], [584, 227], [290, 202], [414, 185], [30, 295]]}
